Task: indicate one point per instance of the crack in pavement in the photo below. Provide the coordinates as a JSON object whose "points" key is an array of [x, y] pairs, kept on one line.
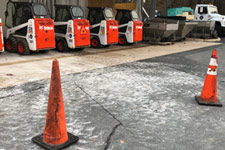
{"points": [[108, 140]]}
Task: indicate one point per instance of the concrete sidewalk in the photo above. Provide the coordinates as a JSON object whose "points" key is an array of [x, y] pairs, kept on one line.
{"points": [[15, 69]]}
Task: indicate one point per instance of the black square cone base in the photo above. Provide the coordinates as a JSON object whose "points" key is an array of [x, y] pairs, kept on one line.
{"points": [[200, 102], [71, 140]]}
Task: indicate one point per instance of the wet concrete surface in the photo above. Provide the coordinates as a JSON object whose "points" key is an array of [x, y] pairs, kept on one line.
{"points": [[143, 105]]}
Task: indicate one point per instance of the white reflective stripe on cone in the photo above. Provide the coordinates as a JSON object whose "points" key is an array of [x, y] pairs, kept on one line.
{"points": [[212, 72], [213, 62]]}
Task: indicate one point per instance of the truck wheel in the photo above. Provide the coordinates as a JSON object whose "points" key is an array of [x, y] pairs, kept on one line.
{"points": [[11, 44], [95, 43], [219, 30], [23, 48], [122, 40], [61, 45]]}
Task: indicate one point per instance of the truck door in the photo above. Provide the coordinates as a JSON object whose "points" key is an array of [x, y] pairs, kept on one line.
{"points": [[202, 13]]}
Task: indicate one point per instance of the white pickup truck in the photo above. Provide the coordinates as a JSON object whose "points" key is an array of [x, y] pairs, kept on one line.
{"points": [[204, 12]]}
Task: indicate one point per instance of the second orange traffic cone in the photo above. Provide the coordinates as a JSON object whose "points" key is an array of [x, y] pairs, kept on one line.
{"points": [[209, 91], [55, 135]]}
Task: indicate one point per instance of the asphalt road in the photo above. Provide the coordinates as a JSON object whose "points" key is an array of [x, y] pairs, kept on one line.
{"points": [[143, 105]]}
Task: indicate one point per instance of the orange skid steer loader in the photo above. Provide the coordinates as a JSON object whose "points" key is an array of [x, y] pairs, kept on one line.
{"points": [[30, 28], [104, 29], [72, 31], [130, 27], [1, 38]]}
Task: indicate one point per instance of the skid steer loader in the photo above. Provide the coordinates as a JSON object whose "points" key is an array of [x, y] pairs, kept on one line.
{"points": [[104, 29], [130, 26], [1, 38], [72, 31], [30, 28]]}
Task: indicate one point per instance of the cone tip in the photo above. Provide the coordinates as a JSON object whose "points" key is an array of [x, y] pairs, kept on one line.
{"points": [[214, 54]]}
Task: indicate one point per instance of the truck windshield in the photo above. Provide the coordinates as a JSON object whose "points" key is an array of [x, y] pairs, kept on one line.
{"points": [[77, 12], [108, 13], [134, 15], [213, 10], [40, 10]]}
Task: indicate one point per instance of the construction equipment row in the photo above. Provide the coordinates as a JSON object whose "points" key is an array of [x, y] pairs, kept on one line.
{"points": [[30, 27]]}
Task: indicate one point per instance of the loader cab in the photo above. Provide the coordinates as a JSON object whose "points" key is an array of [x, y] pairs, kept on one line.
{"points": [[66, 12], [96, 15], [124, 16], [18, 13], [71, 28], [130, 26]]}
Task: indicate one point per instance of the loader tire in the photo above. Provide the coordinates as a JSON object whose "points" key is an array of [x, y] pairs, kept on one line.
{"points": [[95, 43], [23, 48], [11, 44], [61, 45], [122, 40]]}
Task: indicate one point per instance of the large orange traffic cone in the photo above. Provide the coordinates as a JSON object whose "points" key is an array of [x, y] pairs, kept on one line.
{"points": [[209, 91], [55, 135]]}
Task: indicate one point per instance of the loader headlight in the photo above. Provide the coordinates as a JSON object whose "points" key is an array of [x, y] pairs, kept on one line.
{"points": [[103, 30], [130, 29], [69, 30]]}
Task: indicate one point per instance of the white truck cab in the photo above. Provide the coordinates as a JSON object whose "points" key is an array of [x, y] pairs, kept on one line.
{"points": [[204, 12]]}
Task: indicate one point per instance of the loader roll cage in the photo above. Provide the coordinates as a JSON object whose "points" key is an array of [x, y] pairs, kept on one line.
{"points": [[18, 13], [67, 12], [124, 16], [96, 15]]}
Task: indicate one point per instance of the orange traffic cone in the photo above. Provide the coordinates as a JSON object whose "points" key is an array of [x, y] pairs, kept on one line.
{"points": [[55, 135], [209, 91]]}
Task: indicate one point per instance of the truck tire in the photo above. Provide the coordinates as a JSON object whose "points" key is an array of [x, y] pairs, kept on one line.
{"points": [[23, 48], [95, 43], [11, 44], [61, 45], [219, 30]]}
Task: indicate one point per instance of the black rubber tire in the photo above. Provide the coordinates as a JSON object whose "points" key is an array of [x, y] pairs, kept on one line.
{"points": [[44, 51], [63, 47], [95, 43], [106, 46], [13, 42], [122, 40], [23, 43], [79, 49], [219, 30]]}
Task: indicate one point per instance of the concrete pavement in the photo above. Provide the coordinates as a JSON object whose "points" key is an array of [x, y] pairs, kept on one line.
{"points": [[139, 105]]}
